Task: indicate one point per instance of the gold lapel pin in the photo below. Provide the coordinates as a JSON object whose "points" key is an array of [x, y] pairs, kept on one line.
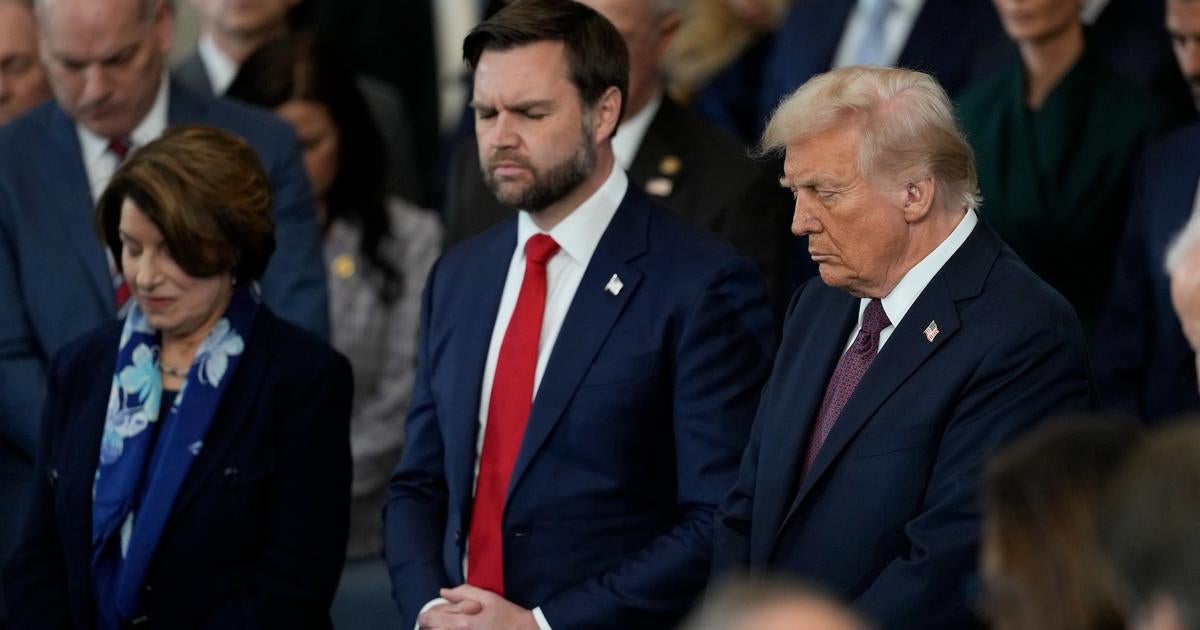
{"points": [[343, 266], [670, 165]]}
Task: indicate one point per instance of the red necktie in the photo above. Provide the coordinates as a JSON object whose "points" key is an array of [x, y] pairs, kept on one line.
{"points": [[119, 148], [508, 412], [846, 375]]}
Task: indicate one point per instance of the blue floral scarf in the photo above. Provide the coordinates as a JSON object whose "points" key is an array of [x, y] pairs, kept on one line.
{"points": [[142, 466]]}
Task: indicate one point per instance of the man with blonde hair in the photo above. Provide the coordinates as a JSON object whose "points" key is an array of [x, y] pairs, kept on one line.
{"points": [[925, 344]]}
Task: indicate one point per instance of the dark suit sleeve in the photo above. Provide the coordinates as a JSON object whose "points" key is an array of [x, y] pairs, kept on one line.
{"points": [[415, 515], [304, 541], [731, 530], [294, 282], [721, 360], [1028, 375], [35, 584], [22, 371], [1126, 330]]}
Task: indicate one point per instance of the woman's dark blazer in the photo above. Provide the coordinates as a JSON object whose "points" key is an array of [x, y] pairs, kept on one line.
{"points": [[257, 535]]}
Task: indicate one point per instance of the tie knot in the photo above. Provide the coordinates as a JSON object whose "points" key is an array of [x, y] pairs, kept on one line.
{"points": [[874, 319], [540, 248], [119, 147]]}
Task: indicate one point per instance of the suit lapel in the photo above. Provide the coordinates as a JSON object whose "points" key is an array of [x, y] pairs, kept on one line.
{"points": [[907, 349], [472, 337], [589, 320], [69, 196], [796, 399], [663, 155], [234, 411], [183, 106]]}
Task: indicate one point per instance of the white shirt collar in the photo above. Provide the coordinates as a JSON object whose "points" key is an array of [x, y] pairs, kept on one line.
{"points": [[908, 7], [221, 68], [579, 233], [630, 133], [98, 162], [1092, 9], [900, 300]]}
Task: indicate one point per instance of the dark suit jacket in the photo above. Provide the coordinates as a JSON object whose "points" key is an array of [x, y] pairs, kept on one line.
{"points": [[54, 279], [634, 434], [1143, 362], [716, 187], [257, 535], [888, 516], [944, 40]]}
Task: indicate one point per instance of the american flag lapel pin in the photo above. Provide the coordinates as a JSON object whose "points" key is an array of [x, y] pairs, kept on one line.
{"points": [[614, 285], [931, 331]]}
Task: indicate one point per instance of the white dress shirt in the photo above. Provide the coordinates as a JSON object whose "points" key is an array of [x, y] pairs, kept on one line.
{"points": [[220, 68], [898, 26], [577, 237], [100, 163], [1092, 9], [631, 131], [910, 287]]}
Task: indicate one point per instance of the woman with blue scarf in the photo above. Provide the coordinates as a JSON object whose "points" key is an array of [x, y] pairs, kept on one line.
{"points": [[195, 465]]}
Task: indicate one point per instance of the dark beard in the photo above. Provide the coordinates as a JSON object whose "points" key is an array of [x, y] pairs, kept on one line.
{"points": [[547, 187]]}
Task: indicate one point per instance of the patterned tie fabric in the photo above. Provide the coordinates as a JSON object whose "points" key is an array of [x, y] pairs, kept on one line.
{"points": [[119, 148], [872, 47], [508, 412], [846, 375]]}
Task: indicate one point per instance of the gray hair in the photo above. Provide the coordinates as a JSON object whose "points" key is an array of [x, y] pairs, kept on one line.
{"points": [[908, 125], [1183, 244]]}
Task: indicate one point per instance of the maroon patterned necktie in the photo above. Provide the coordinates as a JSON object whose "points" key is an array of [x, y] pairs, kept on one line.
{"points": [[846, 375]]}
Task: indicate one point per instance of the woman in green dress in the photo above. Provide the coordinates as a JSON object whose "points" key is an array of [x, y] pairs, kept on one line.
{"points": [[1055, 137]]}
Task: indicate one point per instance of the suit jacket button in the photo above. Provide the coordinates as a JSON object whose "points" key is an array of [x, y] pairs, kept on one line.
{"points": [[231, 474]]}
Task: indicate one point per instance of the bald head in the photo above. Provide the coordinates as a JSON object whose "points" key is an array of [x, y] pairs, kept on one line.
{"points": [[105, 59], [771, 605]]}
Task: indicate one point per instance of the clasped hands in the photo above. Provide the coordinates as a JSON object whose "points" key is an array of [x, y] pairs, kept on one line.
{"points": [[472, 608]]}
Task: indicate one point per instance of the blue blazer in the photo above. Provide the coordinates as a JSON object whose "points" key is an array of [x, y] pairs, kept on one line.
{"points": [[888, 516], [944, 40], [257, 535], [1143, 362], [635, 431], [54, 279]]}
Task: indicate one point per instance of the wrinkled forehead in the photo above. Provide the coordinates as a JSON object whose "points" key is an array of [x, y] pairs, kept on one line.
{"points": [[830, 152], [537, 71]]}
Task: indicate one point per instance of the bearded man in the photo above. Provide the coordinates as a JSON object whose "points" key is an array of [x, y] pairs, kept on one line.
{"points": [[587, 370]]}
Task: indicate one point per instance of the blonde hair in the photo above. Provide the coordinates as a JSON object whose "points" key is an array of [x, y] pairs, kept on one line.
{"points": [[907, 122]]}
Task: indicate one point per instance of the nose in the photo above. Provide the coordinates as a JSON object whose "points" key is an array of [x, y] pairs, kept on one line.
{"points": [[96, 86], [503, 133], [146, 275], [803, 221]]}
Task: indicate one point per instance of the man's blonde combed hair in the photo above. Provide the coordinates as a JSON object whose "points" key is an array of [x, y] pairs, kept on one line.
{"points": [[907, 122]]}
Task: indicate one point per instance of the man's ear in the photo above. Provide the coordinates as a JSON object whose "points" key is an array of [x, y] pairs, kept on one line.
{"points": [[164, 27], [606, 114], [918, 199]]}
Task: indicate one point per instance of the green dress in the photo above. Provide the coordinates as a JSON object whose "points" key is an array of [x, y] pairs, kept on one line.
{"points": [[1056, 181]]}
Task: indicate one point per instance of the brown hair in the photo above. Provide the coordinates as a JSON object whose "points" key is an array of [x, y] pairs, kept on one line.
{"points": [[207, 193], [1042, 502], [596, 54]]}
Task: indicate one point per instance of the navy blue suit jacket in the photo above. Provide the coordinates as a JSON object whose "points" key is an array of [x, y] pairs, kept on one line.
{"points": [[257, 535], [54, 279], [635, 432], [888, 516], [944, 40], [1143, 362]]}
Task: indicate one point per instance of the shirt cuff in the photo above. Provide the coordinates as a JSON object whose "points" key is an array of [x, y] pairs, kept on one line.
{"points": [[541, 619], [437, 601]]}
